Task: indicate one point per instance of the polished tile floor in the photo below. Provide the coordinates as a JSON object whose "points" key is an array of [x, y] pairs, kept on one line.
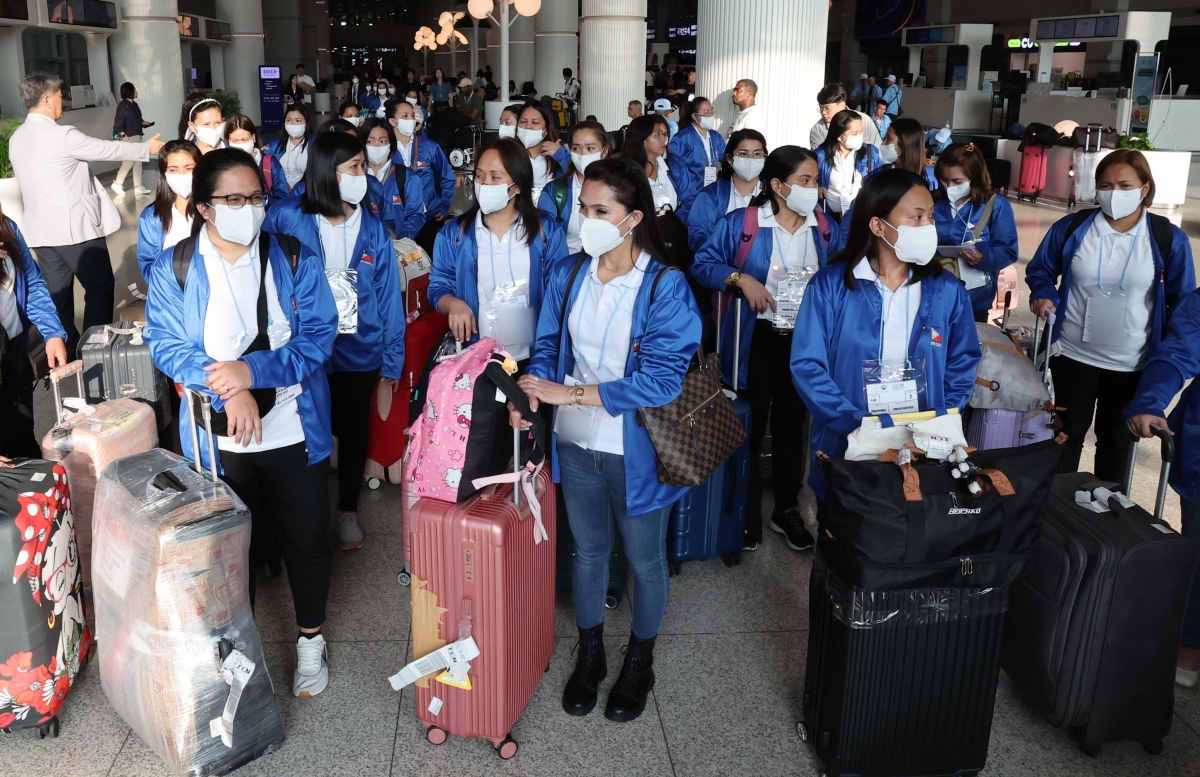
{"points": [[730, 667]]}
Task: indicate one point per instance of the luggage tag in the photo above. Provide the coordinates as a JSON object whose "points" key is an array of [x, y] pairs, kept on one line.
{"points": [[344, 285], [710, 175], [789, 295], [574, 423], [236, 669], [1104, 316], [285, 394], [894, 387]]}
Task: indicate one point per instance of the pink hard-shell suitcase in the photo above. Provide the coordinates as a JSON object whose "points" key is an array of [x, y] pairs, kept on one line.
{"points": [[481, 568]]}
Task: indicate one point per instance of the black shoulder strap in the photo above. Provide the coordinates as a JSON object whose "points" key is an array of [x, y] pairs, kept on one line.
{"points": [[1077, 222], [580, 258], [401, 173], [181, 259], [289, 244], [658, 277], [1163, 236]]}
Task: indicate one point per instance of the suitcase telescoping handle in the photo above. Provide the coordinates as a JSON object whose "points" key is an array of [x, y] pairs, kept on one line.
{"points": [[206, 412], [737, 327], [1007, 308], [58, 373], [1050, 317], [1167, 454]]}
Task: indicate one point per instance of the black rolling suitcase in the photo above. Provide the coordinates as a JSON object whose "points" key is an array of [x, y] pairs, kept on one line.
{"points": [[1095, 623]]}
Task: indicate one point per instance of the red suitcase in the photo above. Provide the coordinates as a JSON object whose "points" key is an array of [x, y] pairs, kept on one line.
{"points": [[1033, 172], [478, 571]]}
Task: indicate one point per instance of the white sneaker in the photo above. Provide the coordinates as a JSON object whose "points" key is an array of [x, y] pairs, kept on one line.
{"points": [[117, 188], [312, 667], [142, 191], [349, 532]]}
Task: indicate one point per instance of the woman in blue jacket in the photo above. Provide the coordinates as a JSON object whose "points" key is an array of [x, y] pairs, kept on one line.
{"points": [[882, 301], [737, 183], [904, 147], [24, 302], [1120, 271], [549, 157], [423, 158], [330, 220], [631, 329], [958, 206], [697, 152], [398, 198], [788, 241], [589, 143], [166, 221], [1175, 361], [843, 162], [253, 333], [286, 158], [491, 264]]}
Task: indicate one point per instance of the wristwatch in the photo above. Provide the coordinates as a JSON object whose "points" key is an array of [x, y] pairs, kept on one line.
{"points": [[579, 395], [733, 278]]}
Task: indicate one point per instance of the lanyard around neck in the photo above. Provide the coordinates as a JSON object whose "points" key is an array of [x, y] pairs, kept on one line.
{"points": [[887, 310], [583, 308], [1128, 259]]}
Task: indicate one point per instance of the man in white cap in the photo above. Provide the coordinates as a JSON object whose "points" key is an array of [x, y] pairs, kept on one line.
{"points": [[865, 93], [469, 102], [893, 94], [664, 107]]}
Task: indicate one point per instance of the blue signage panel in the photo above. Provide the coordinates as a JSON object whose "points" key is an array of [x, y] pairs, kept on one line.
{"points": [[270, 90]]}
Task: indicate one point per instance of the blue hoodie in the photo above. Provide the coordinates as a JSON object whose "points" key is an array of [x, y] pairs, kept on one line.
{"points": [[715, 262], [998, 243], [455, 257], [151, 237], [664, 337], [841, 330], [175, 333], [432, 168], [33, 297], [379, 342], [1175, 276], [688, 161], [271, 164]]}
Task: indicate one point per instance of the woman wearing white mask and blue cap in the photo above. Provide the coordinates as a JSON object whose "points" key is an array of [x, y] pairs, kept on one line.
{"points": [[882, 312], [588, 143], [696, 153], [490, 264], [737, 183], [1120, 270], [768, 252], [286, 158], [334, 220]]}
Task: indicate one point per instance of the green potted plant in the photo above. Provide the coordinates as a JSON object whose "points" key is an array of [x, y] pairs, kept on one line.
{"points": [[10, 193], [231, 104]]}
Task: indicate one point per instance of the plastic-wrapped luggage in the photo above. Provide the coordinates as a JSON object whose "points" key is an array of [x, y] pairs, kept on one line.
{"points": [[1083, 169], [45, 639], [86, 441], [183, 662]]}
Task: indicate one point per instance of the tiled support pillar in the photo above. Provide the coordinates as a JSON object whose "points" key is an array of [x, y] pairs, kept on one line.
{"points": [[556, 43], [612, 57], [520, 50]]}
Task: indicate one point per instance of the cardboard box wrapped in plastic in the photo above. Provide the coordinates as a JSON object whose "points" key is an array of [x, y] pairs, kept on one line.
{"points": [[182, 661]]}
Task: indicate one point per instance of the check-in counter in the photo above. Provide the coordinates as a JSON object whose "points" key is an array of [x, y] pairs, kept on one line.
{"points": [[966, 110]]}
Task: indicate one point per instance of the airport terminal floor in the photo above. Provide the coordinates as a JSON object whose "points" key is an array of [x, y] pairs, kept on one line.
{"points": [[729, 662]]}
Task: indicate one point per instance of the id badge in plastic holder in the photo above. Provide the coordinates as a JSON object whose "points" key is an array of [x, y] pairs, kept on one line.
{"points": [[344, 285], [894, 387], [789, 295], [573, 423], [1104, 316], [510, 316], [710, 175]]}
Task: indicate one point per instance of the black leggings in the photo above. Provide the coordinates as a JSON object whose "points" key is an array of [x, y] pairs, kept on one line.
{"points": [[298, 496], [1085, 391], [350, 393], [16, 404]]}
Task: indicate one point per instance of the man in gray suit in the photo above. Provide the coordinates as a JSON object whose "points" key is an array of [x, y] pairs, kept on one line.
{"points": [[67, 212]]}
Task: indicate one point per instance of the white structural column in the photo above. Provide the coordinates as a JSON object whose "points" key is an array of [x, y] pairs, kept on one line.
{"points": [[244, 56], [146, 53], [520, 49], [612, 56], [556, 44], [778, 44]]}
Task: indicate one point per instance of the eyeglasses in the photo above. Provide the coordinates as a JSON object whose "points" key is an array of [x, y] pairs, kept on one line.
{"points": [[743, 154], [236, 201]]}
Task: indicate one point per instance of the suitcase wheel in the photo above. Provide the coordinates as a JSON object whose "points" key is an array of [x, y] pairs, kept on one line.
{"points": [[732, 559], [51, 727], [674, 567], [1153, 746], [802, 731], [435, 735], [507, 749], [403, 579], [373, 483]]}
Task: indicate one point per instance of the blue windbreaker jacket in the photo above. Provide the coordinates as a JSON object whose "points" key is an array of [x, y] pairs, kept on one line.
{"points": [[998, 244], [271, 159], [151, 237], [869, 163], [33, 297], [706, 212], [433, 169], [688, 160], [401, 212]]}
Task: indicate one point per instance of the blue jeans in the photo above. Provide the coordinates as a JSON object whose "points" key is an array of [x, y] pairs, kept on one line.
{"points": [[593, 485], [1190, 515]]}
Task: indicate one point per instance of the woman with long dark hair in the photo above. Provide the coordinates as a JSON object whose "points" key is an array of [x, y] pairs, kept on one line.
{"points": [[491, 263], [440, 90], [265, 375], [202, 121], [589, 143], [536, 131], [631, 328], [843, 161], [509, 118], [396, 193], [789, 243], [646, 143], [883, 312], [737, 183], [286, 158], [334, 220], [904, 147], [696, 151], [166, 221]]}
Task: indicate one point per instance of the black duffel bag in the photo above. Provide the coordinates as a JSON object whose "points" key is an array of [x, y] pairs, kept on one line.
{"points": [[892, 527]]}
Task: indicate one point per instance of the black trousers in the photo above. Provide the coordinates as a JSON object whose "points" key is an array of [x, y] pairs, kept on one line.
{"points": [[1086, 391], [772, 394], [350, 393], [298, 496], [91, 263], [16, 404]]}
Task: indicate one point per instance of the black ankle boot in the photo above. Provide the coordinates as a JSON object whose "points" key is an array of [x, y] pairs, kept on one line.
{"points": [[579, 697], [627, 698]]}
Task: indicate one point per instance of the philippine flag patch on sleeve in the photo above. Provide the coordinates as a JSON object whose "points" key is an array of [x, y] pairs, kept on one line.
{"points": [[937, 336]]}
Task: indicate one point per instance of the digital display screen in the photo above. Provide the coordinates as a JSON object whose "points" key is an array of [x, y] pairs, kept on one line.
{"points": [[1085, 28], [1064, 28], [268, 72], [929, 35], [1107, 26], [1089, 27], [1045, 29]]}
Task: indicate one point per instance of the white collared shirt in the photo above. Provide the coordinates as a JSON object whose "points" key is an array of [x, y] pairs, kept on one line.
{"points": [[231, 324], [541, 175], [706, 138], [750, 118], [337, 242], [600, 323], [294, 161], [501, 262], [574, 187], [900, 308], [405, 149], [738, 201], [10, 317], [181, 227], [382, 173], [787, 251], [662, 188], [844, 182]]}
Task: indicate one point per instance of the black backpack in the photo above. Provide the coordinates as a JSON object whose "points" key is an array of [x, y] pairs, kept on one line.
{"points": [[1160, 226]]}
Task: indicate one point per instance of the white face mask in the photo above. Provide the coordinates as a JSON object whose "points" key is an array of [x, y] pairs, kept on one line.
{"points": [[958, 191], [379, 112], [391, 90], [531, 137], [180, 183], [355, 121], [508, 130], [352, 187], [708, 122], [492, 197], [411, 101], [239, 225], [406, 127], [209, 136], [802, 200], [1119, 203], [915, 245], [748, 169], [888, 154], [354, 80], [581, 161], [381, 89], [852, 142], [377, 155], [248, 146], [599, 236], [295, 130]]}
